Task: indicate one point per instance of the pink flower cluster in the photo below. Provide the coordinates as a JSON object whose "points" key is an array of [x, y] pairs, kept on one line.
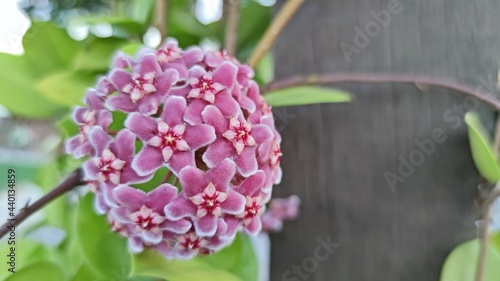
{"points": [[198, 113]]}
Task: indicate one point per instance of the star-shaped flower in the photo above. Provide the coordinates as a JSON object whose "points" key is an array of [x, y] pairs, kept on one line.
{"points": [[206, 197], [168, 140], [144, 88], [144, 212], [241, 146]]}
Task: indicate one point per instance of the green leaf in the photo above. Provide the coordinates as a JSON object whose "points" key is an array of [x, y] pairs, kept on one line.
{"points": [[157, 179], [105, 251], [152, 263], [306, 95], [495, 241], [43, 270], [49, 48], [26, 252], [132, 48], [65, 88], [265, 70], [253, 22], [482, 149], [461, 264], [67, 127], [239, 259], [97, 55], [18, 93], [85, 273], [121, 23], [141, 10]]}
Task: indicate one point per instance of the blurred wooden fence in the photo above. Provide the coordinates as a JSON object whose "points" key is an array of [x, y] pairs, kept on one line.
{"points": [[335, 156]]}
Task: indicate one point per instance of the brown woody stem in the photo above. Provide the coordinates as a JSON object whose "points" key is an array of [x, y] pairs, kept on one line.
{"points": [[72, 181]]}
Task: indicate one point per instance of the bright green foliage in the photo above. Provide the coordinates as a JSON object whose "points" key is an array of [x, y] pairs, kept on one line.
{"points": [[238, 259], [150, 263], [461, 264], [484, 157], [237, 262], [306, 95], [43, 270], [104, 250]]}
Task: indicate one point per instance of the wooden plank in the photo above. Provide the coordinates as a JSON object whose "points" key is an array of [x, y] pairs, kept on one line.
{"points": [[335, 156]]}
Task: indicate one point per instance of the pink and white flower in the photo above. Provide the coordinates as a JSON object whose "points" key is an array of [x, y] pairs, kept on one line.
{"points": [[182, 151]]}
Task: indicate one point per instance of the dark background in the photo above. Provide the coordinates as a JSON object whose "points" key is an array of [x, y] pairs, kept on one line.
{"points": [[335, 156]]}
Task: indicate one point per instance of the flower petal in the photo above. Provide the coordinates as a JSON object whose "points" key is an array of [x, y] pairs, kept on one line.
{"points": [[131, 197], [147, 161], [180, 208], [199, 136], [246, 162], [144, 127], [192, 180], [206, 226], [176, 107], [234, 204]]}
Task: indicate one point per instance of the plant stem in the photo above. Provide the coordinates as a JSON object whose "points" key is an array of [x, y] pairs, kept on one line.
{"points": [[486, 97], [272, 32], [72, 181], [484, 231], [161, 17], [233, 18]]}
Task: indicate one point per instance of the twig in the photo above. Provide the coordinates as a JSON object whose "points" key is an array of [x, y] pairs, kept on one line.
{"points": [[272, 32], [233, 18], [72, 181], [161, 17], [496, 144], [486, 97], [484, 231]]}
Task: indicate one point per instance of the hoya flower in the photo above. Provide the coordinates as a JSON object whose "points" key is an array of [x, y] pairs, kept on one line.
{"points": [[112, 164], [182, 151], [143, 89], [235, 140], [144, 212], [94, 115], [280, 209], [168, 140], [252, 188], [206, 197]]}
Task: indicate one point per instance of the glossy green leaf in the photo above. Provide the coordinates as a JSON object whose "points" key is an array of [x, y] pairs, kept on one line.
{"points": [[66, 88], [151, 263], [85, 273], [104, 250], [306, 95], [19, 95], [49, 48], [43, 270], [97, 55], [239, 259], [482, 148], [461, 264]]}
